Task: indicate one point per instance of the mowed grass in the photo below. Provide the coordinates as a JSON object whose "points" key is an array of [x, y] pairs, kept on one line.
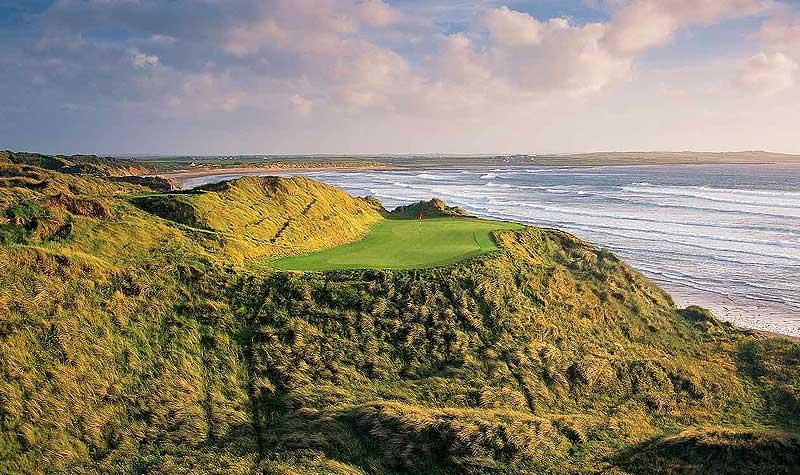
{"points": [[406, 244]]}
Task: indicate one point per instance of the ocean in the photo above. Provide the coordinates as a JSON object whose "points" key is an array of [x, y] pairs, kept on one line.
{"points": [[726, 237]]}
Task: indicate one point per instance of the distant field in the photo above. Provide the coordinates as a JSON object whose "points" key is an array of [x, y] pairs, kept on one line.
{"points": [[406, 244]]}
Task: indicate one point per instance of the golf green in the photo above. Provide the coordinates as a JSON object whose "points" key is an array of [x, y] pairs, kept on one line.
{"points": [[406, 244]]}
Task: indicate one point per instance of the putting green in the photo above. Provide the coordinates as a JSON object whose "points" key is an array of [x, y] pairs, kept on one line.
{"points": [[406, 244]]}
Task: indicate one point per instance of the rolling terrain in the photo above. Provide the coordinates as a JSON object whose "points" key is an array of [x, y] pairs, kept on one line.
{"points": [[145, 331]]}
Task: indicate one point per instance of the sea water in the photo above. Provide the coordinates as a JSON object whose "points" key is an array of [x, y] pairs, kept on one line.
{"points": [[723, 236]]}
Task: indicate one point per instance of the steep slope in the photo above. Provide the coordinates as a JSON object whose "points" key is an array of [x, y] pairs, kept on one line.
{"points": [[134, 344], [545, 359], [269, 216]]}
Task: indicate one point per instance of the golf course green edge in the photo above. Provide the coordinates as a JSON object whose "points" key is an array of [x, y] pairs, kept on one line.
{"points": [[406, 244]]}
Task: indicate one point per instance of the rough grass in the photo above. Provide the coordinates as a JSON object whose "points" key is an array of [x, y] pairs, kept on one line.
{"points": [[406, 244], [134, 345], [718, 452], [260, 217]]}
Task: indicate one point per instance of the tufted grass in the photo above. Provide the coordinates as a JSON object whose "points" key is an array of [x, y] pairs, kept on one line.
{"points": [[144, 336]]}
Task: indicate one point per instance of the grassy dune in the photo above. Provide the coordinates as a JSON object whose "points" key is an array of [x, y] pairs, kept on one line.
{"points": [[259, 217], [144, 336], [406, 244]]}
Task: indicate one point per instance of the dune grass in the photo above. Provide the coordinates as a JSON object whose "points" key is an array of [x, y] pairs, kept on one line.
{"points": [[129, 343], [405, 244]]}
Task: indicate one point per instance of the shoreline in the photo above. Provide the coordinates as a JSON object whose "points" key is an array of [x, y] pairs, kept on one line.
{"points": [[182, 176], [746, 323], [766, 322], [768, 334]]}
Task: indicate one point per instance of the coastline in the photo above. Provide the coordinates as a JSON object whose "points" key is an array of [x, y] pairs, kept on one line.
{"points": [[765, 322], [183, 176], [781, 322], [180, 177]]}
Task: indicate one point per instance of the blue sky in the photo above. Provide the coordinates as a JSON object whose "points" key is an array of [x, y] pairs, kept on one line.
{"points": [[402, 76]]}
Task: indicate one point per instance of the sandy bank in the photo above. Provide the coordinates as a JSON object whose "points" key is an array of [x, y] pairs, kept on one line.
{"points": [[183, 176]]}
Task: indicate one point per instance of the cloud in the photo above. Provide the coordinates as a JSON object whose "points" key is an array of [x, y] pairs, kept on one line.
{"points": [[767, 74], [376, 13], [141, 60], [568, 58], [368, 54], [289, 28], [458, 62], [366, 75], [210, 93], [645, 24], [307, 26], [447, 64], [512, 28], [538, 57], [301, 105], [325, 46], [782, 32]]}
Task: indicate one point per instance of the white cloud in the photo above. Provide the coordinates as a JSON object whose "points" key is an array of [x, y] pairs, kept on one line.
{"points": [[782, 32], [569, 58], [248, 39], [341, 53], [767, 74], [142, 60], [208, 93], [509, 27], [481, 75], [376, 13], [307, 26], [315, 26], [542, 57], [645, 24], [366, 75], [458, 62]]}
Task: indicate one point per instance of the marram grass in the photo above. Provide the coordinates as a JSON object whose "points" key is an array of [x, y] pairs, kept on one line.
{"points": [[146, 336]]}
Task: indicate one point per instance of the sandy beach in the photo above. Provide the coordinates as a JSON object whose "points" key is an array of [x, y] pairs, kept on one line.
{"points": [[739, 268], [183, 176], [766, 320]]}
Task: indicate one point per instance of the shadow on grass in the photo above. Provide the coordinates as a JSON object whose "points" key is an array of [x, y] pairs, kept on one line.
{"points": [[714, 451], [774, 366]]}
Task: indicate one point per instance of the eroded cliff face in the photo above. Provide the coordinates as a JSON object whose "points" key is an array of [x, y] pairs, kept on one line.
{"points": [[138, 342]]}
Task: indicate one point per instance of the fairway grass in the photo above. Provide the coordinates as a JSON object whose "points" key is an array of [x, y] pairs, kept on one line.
{"points": [[405, 244]]}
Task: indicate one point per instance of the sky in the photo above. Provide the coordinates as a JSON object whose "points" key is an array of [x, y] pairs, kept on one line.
{"points": [[398, 76]]}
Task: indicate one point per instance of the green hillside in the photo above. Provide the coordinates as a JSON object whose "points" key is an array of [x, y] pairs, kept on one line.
{"points": [[267, 216], [145, 332]]}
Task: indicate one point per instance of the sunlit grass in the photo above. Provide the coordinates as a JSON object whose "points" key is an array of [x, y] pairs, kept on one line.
{"points": [[406, 244], [135, 343]]}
